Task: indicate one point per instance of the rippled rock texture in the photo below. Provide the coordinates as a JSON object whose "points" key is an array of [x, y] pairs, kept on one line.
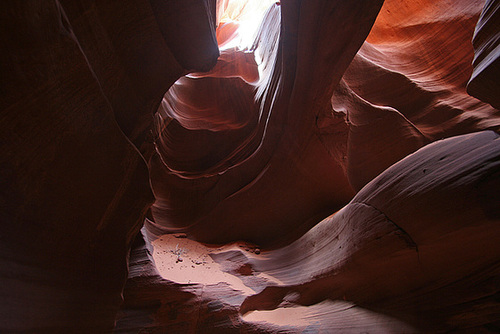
{"points": [[229, 146], [342, 173]]}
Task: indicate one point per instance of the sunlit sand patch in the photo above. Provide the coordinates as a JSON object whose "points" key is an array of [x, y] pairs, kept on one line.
{"points": [[290, 316], [330, 316], [185, 261]]}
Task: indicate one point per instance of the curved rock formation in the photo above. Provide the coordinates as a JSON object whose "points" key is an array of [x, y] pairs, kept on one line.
{"points": [[232, 173], [483, 82], [411, 71], [425, 229], [346, 176], [221, 155], [415, 250], [78, 78]]}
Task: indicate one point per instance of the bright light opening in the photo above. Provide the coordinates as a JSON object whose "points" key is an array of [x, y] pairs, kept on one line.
{"points": [[241, 20]]}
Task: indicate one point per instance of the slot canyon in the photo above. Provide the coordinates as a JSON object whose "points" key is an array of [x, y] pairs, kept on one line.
{"points": [[166, 169]]}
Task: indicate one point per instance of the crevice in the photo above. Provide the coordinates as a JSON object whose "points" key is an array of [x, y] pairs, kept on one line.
{"points": [[405, 236]]}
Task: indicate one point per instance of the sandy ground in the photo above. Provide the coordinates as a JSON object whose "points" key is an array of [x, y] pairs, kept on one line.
{"points": [[185, 261]]}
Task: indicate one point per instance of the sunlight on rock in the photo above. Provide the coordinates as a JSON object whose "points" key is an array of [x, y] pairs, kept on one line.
{"points": [[247, 15], [290, 316], [185, 261]]}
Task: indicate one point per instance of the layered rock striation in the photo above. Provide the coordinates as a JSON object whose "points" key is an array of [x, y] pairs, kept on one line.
{"points": [[342, 172]]}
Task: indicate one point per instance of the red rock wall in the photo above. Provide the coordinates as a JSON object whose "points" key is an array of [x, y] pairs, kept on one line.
{"points": [[233, 156], [79, 82], [410, 75], [262, 180], [219, 140], [419, 242], [483, 83]]}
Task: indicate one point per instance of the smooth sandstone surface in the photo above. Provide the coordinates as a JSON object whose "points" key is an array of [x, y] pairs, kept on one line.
{"points": [[483, 81], [340, 175], [311, 134], [203, 179], [416, 250]]}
